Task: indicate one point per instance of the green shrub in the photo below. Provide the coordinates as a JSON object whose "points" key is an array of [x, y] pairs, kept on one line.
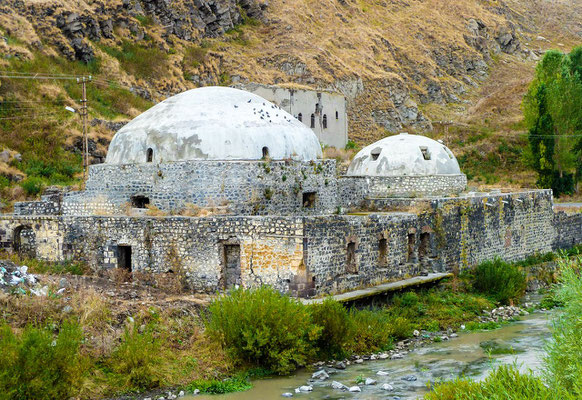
{"points": [[4, 182], [32, 186], [38, 365], [564, 360], [264, 328], [372, 330], [138, 359], [502, 281], [337, 328], [237, 383], [504, 383], [351, 145]]}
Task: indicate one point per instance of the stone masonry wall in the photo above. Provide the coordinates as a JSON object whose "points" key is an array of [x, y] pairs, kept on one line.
{"points": [[244, 187], [353, 190], [271, 248], [308, 255], [568, 230]]}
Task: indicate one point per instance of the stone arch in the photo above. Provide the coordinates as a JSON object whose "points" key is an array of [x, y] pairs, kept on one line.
{"points": [[24, 241]]}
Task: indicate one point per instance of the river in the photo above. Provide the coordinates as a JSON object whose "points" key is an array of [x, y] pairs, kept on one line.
{"points": [[465, 355]]}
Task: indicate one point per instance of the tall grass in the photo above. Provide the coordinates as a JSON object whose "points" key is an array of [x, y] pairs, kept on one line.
{"points": [[564, 359], [38, 364], [503, 281], [562, 374]]}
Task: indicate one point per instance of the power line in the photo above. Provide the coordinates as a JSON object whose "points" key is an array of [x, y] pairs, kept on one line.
{"points": [[29, 116]]}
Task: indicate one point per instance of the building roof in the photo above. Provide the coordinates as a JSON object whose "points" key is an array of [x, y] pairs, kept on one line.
{"points": [[404, 155], [213, 123]]}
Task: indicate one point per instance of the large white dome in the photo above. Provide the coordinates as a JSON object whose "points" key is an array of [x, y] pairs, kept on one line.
{"points": [[404, 155], [213, 123]]}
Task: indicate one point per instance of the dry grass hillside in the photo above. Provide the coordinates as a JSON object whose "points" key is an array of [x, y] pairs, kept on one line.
{"points": [[450, 69]]}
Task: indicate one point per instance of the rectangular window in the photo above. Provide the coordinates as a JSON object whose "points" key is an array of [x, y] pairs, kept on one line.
{"points": [[140, 201], [383, 252], [309, 199], [351, 263]]}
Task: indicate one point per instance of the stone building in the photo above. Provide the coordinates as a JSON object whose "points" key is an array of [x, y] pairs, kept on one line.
{"points": [[322, 111], [271, 211]]}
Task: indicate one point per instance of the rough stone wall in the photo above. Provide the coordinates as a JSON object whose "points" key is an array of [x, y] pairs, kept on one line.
{"points": [[308, 255], [327, 240], [243, 187], [472, 229], [50, 204], [354, 190], [568, 230], [271, 247]]}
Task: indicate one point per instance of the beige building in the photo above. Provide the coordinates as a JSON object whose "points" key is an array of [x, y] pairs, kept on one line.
{"points": [[322, 111]]}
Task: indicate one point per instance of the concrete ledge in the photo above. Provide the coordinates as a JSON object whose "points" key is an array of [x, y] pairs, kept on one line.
{"points": [[383, 288]]}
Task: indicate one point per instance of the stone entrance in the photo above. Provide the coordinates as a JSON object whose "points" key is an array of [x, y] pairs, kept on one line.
{"points": [[231, 270]]}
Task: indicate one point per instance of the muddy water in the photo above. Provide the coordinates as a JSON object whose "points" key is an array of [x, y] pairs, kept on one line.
{"points": [[465, 355]]}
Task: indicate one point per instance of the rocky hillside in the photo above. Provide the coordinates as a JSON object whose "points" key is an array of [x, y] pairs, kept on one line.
{"points": [[455, 69]]}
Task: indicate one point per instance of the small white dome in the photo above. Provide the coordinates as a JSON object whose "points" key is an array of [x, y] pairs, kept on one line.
{"points": [[213, 123], [404, 155]]}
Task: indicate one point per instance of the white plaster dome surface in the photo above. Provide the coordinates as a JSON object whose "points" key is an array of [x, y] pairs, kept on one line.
{"points": [[404, 155], [213, 123]]}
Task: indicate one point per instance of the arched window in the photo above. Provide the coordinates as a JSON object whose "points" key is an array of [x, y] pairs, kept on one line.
{"points": [[300, 117], [324, 121], [150, 155], [312, 121], [265, 152], [336, 115]]}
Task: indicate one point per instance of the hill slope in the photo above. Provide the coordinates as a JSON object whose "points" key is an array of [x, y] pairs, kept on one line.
{"points": [[454, 69]]}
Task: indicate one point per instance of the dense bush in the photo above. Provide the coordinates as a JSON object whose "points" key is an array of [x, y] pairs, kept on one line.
{"points": [[138, 359], [337, 328], [372, 330], [502, 281], [37, 365], [263, 327], [32, 186]]}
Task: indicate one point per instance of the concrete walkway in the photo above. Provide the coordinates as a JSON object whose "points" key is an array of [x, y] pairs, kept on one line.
{"points": [[383, 288]]}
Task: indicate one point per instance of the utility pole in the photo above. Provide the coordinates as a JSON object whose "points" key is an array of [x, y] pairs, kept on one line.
{"points": [[83, 81]]}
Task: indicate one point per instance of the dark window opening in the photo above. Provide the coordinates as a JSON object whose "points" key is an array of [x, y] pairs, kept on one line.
{"points": [[312, 121], [309, 199], [300, 117], [324, 121], [140, 201], [375, 154], [265, 152], [423, 249], [411, 246], [232, 271], [351, 264], [24, 242], [124, 258], [425, 152], [336, 115], [382, 252], [150, 155]]}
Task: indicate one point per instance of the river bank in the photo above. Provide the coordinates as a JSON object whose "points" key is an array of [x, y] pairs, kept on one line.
{"points": [[141, 341], [411, 372]]}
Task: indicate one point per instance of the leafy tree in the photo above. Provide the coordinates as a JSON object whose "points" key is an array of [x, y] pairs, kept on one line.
{"points": [[554, 118]]}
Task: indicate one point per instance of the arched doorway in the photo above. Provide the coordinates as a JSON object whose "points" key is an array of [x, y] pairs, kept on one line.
{"points": [[24, 241]]}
